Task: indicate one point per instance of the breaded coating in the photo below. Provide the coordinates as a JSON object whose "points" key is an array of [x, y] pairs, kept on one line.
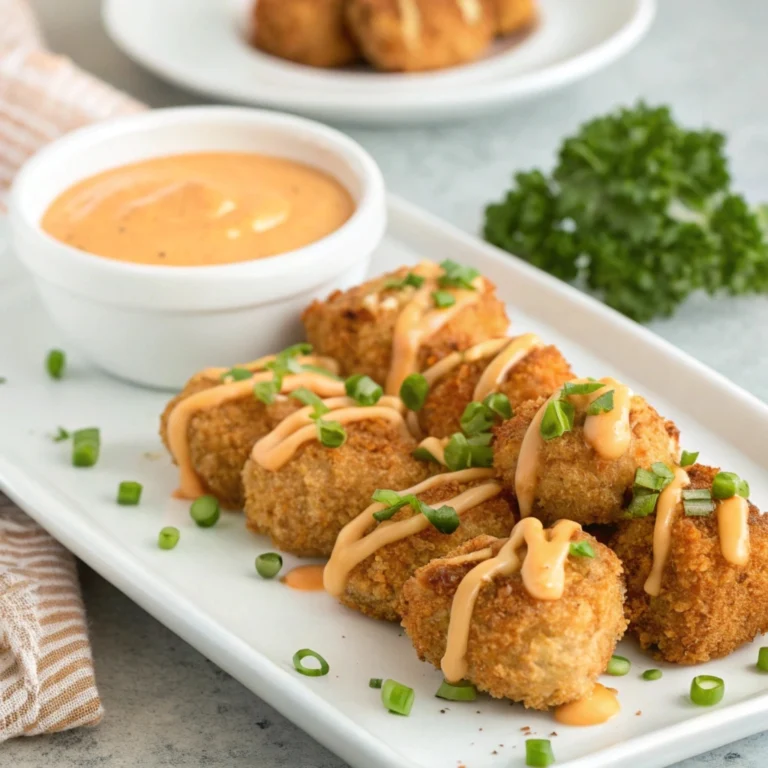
{"points": [[303, 505], [221, 438], [538, 374], [513, 16], [311, 32], [707, 607], [573, 481], [540, 652], [414, 35], [375, 585], [357, 326]]}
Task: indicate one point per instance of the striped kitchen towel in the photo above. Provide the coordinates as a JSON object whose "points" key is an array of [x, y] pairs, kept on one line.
{"points": [[47, 681]]}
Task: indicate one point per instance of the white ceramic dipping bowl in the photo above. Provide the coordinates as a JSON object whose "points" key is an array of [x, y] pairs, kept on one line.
{"points": [[157, 325]]}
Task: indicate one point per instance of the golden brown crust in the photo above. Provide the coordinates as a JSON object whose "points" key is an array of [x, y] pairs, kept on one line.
{"points": [[356, 326], [514, 16], [574, 482], [303, 505], [414, 35], [375, 585], [538, 374], [707, 607], [311, 32], [543, 653]]}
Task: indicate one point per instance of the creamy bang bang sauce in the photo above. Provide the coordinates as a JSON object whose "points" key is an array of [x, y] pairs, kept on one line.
{"points": [[199, 209]]}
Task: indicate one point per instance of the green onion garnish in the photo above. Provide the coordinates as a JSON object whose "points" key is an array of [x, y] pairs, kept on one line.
{"points": [[55, 363], [443, 299], [268, 565], [168, 537], [581, 549], [480, 452], [461, 691], [457, 276], [643, 503], [307, 397], [414, 391], [538, 753], [557, 419], [646, 478], [477, 418], [331, 434], [236, 374], [499, 405], [618, 666], [375, 682], [688, 458], [267, 391], [457, 453], [651, 674], [61, 435], [411, 279], [422, 454], [299, 656], [580, 388], [762, 659], [602, 404], [743, 489], [707, 690], [205, 511], [86, 444], [698, 502], [660, 469], [725, 485], [444, 518], [363, 389], [396, 697], [129, 493], [393, 501]]}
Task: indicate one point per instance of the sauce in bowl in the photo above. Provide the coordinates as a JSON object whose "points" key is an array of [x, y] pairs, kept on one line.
{"points": [[199, 209]]}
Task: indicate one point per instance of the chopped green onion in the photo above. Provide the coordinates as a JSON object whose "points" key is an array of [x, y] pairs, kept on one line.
{"points": [[393, 501], [307, 368], [457, 453], [295, 350], [480, 454], [298, 658], [538, 753], [697, 494], [414, 391], [688, 458], [129, 493], [236, 374], [602, 404], [422, 454], [168, 537], [363, 389], [443, 299], [267, 391], [457, 276], [477, 418], [461, 691], [330, 433], [61, 435], [205, 511], [581, 549], [651, 674], [698, 502], [396, 697], [762, 659], [499, 404], [660, 469], [743, 489], [307, 397], [707, 690], [580, 388], [411, 279], [375, 682], [55, 363], [557, 419], [725, 485], [618, 666], [644, 478], [385, 496], [86, 444], [643, 503], [444, 518], [268, 565]]}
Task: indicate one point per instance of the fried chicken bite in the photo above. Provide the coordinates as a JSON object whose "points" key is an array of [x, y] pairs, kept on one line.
{"points": [[358, 327], [707, 606], [415, 35], [542, 653], [374, 586], [538, 374], [513, 16], [311, 32], [304, 504], [571, 480]]}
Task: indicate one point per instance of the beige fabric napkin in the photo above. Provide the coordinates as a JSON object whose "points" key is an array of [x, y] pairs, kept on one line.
{"points": [[46, 669]]}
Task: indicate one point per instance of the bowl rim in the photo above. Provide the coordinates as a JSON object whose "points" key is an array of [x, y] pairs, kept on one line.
{"points": [[74, 143]]}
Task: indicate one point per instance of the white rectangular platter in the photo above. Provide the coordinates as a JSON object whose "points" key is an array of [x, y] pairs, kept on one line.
{"points": [[207, 591]]}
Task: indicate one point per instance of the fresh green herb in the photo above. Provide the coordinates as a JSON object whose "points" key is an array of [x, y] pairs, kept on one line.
{"points": [[331, 434], [646, 488], [581, 549], [457, 276], [414, 391], [618, 666], [205, 511], [445, 518], [363, 389], [462, 691], [236, 374], [375, 682], [580, 388], [643, 503], [476, 419], [129, 493], [660, 469], [298, 663], [602, 404], [443, 299], [641, 211], [307, 397], [422, 454], [762, 659], [688, 458], [499, 404], [457, 453], [557, 419], [698, 502], [86, 445], [168, 537], [55, 363], [267, 391], [411, 279], [397, 698], [725, 485], [707, 690], [538, 753], [61, 435], [285, 363], [651, 674], [268, 564]]}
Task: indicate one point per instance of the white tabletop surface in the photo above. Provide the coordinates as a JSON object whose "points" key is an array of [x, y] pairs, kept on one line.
{"points": [[166, 704]]}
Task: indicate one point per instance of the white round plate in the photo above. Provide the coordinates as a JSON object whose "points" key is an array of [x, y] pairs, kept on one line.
{"points": [[201, 45]]}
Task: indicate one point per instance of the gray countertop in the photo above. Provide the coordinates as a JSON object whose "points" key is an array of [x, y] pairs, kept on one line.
{"points": [[166, 704]]}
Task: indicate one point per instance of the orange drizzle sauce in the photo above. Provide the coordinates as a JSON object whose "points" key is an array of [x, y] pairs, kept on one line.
{"points": [[305, 578], [600, 706]]}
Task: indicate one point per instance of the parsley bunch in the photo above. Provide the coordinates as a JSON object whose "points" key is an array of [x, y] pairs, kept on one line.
{"points": [[640, 211]]}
